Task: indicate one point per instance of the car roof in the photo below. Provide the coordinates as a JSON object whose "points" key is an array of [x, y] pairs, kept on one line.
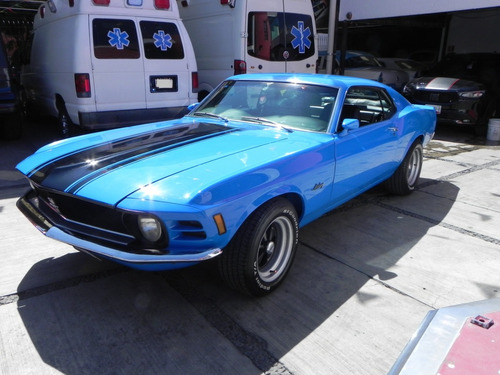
{"points": [[306, 78]]}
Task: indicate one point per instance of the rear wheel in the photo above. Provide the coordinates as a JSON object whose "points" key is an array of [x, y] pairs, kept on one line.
{"points": [[261, 253], [64, 124], [405, 179]]}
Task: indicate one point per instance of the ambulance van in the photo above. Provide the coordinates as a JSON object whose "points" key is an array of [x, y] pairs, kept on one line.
{"points": [[102, 64], [249, 36]]}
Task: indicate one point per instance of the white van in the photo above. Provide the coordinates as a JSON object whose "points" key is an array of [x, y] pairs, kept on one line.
{"points": [[249, 36], [109, 63]]}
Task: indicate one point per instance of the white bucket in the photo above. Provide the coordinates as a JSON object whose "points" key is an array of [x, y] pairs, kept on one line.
{"points": [[493, 129]]}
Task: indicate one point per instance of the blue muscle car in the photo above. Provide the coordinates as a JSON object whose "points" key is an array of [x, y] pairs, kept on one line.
{"points": [[234, 179]]}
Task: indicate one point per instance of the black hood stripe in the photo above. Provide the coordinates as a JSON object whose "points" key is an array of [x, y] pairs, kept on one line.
{"points": [[73, 171]]}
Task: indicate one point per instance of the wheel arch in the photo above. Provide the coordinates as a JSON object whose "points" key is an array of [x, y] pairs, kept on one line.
{"points": [[294, 197], [418, 139]]}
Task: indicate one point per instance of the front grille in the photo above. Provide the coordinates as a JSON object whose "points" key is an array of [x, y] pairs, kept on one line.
{"points": [[83, 211], [86, 220], [442, 97]]}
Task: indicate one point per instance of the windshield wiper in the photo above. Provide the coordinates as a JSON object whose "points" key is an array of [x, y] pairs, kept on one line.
{"points": [[261, 120], [208, 114]]}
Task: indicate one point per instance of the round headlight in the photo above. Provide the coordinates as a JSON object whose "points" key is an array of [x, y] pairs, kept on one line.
{"points": [[150, 228]]}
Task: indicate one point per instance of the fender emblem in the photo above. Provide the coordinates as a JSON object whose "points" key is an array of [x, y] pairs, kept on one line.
{"points": [[318, 186]]}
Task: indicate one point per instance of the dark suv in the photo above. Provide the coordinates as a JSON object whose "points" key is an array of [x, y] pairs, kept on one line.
{"points": [[463, 88], [11, 117]]}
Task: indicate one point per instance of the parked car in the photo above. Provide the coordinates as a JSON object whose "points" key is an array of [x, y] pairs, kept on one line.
{"points": [[365, 65], [261, 156], [11, 117], [463, 88], [411, 67]]}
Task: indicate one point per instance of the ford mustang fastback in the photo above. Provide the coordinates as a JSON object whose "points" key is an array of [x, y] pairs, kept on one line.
{"points": [[233, 180]]}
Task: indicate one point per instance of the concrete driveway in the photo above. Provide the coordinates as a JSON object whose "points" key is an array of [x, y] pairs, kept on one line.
{"points": [[364, 278]]}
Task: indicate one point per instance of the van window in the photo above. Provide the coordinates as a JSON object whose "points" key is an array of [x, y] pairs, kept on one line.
{"points": [[115, 39], [275, 36], [161, 40]]}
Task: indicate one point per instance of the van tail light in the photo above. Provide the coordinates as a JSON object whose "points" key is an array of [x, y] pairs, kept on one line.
{"points": [[194, 80], [162, 4], [101, 2], [82, 85], [240, 67]]}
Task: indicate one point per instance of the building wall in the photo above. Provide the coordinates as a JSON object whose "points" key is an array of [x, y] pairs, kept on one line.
{"points": [[474, 31]]}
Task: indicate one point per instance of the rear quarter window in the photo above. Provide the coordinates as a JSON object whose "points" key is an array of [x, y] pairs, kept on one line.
{"points": [[161, 40], [115, 39]]}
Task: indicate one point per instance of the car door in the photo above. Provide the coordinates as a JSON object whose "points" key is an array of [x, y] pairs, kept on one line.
{"points": [[367, 155], [117, 65]]}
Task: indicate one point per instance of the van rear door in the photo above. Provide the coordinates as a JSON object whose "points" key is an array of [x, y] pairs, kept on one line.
{"points": [[300, 31], [281, 38], [166, 64], [117, 65]]}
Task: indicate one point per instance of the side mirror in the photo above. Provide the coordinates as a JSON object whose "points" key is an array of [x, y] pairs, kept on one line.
{"points": [[349, 124]]}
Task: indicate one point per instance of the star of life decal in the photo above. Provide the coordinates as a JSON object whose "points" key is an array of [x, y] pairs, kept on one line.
{"points": [[301, 37], [118, 38], [162, 40]]}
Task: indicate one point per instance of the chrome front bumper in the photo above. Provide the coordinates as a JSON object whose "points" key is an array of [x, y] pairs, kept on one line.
{"points": [[135, 260]]}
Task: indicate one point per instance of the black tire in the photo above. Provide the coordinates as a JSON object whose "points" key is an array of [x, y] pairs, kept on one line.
{"points": [[65, 125], [26, 107], [202, 95], [405, 179], [262, 252]]}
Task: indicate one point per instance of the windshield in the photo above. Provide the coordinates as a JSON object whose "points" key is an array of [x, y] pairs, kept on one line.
{"points": [[362, 61], [286, 105]]}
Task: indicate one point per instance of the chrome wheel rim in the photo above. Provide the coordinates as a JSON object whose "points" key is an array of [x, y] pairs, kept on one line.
{"points": [[414, 166], [275, 249]]}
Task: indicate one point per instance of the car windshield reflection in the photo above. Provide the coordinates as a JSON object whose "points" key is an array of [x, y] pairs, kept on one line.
{"points": [[285, 105]]}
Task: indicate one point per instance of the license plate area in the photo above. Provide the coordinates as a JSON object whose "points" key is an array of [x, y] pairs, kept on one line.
{"points": [[163, 83]]}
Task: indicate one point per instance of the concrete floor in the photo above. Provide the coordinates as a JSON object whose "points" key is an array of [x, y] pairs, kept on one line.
{"points": [[364, 278]]}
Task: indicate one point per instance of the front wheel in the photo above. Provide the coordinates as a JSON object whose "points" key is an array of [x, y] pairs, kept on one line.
{"points": [[261, 253], [405, 179]]}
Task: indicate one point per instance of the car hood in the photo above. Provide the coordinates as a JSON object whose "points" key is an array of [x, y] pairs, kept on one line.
{"points": [[445, 84], [110, 166]]}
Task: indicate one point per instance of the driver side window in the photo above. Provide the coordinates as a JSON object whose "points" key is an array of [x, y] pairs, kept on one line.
{"points": [[367, 104]]}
